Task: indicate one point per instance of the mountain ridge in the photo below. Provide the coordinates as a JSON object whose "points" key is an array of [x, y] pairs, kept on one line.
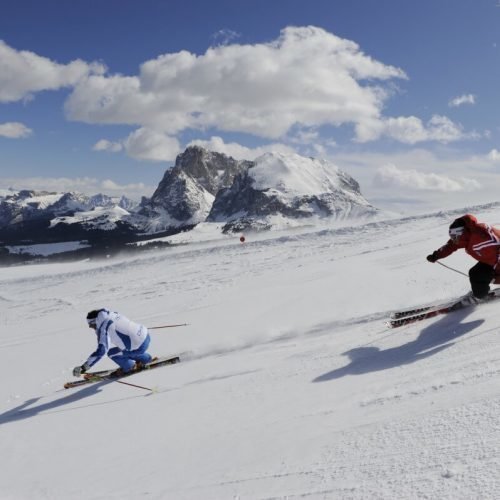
{"points": [[271, 191]]}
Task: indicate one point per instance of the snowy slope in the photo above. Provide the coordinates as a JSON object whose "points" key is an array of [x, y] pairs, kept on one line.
{"points": [[290, 387], [297, 175]]}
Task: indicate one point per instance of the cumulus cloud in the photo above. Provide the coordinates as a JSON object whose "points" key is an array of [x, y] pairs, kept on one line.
{"points": [[23, 73], [147, 144], [306, 76], [133, 190], [494, 155], [411, 130], [14, 130], [143, 144], [461, 100], [239, 152], [105, 145], [391, 176], [305, 79]]}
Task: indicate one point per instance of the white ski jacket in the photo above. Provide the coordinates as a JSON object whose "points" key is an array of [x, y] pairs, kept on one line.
{"points": [[113, 329]]}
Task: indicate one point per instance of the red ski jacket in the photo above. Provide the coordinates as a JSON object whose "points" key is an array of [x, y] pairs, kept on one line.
{"points": [[479, 240]]}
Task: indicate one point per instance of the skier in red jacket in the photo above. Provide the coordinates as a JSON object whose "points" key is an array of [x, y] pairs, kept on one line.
{"points": [[480, 241]]}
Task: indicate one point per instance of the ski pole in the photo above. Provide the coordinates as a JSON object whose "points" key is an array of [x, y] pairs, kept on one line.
{"points": [[97, 378], [166, 326], [134, 385], [451, 268]]}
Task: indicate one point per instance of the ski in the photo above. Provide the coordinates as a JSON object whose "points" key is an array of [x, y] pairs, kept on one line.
{"points": [[428, 313], [92, 377], [414, 312], [402, 318]]}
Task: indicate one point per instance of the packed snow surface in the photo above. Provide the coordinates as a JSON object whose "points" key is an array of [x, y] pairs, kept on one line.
{"points": [[290, 385]]}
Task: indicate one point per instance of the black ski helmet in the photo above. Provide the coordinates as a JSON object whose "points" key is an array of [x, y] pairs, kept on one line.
{"points": [[92, 317], [457, 228]]}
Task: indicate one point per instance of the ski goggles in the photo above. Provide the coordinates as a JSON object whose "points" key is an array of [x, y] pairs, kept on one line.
{"points": [[456, 233], [92, 322]]}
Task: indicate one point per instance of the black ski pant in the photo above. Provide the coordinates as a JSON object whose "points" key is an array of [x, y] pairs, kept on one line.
{"points": [[481, 275]]}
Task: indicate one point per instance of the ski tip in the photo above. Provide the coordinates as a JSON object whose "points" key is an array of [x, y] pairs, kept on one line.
{"points": [[169, 361]]}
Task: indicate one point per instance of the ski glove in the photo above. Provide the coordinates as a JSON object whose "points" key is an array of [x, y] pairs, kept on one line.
{"points": [[79, 370], [432, 257]]}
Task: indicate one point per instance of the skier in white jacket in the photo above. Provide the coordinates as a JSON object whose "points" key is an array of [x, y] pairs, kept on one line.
{"points": [[130, 342]]}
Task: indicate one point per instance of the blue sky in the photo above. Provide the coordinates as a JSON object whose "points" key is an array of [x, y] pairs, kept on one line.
{"points": [[100, 96]]}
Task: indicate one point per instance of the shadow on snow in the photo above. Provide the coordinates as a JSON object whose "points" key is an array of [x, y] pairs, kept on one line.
{"points": [[27, 410], [432, 339]]}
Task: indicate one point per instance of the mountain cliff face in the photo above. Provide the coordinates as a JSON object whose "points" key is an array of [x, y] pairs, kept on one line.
{"points": [[212, 170], [288, 186], [186, 193], [202, 186], [180, 200]]}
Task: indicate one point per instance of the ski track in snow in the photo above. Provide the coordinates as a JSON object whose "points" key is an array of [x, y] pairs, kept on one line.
{"points": [[290, 384]]}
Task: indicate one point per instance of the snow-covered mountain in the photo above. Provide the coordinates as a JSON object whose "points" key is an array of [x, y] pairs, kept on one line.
{"points": [[290, 384], [104, 218], [276, 190], [33, 222], [289, 187], [25, 205]]}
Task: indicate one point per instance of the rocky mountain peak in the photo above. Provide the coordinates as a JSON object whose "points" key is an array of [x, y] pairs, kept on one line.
{"points": [[211, 170], [187, 190]]}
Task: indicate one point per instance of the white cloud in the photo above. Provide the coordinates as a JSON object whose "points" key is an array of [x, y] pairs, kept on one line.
{"points": [[411, 130], [463, 99], [23, 72], [146, 144], [224, 36], [105, 145], [304, 136], [14, 130], [143, 144], [307, 76], [87, 185], [494, 155], [391, 176], [284, 90], [132, 190], [239, 152]]}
